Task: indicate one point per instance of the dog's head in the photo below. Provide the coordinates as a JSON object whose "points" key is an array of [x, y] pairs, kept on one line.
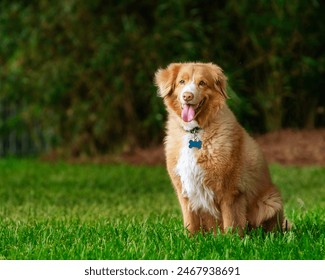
{"points": [[192, 90]]}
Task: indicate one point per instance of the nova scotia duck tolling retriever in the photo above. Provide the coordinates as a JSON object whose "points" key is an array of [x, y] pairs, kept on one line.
{"points": [[218, 171]]}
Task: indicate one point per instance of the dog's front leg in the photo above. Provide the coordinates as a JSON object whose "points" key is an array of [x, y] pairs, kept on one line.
{"points": [[233, 211], [191, 219]]}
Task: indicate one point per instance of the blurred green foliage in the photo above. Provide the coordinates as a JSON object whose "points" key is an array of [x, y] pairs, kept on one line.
{"points": [[84, 69]]}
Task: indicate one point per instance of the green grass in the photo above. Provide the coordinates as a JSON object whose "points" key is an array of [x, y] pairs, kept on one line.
{"points": [[62, 211]]}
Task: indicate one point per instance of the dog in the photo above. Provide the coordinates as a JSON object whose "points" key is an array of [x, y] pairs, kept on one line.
{"points": [[218, 171]]}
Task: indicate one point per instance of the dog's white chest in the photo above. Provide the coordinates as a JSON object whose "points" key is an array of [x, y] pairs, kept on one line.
{"points": [[192, 178]]}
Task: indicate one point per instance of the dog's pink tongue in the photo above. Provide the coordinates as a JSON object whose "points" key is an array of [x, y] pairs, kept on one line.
{"points": [[188, 113]]}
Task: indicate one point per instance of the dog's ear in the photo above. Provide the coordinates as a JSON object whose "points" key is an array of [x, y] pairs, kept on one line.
{"points": [[220, 79], [165, 79]]}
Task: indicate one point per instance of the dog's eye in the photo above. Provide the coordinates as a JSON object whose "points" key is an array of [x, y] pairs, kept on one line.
{"points": [[202, 83], [181, 82]]}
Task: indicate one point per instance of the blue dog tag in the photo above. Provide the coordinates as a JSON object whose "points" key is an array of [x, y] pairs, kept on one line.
{"points": [[195, 144]]}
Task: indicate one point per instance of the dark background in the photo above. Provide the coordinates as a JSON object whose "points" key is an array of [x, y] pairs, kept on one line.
{"points": [[76, 77]]}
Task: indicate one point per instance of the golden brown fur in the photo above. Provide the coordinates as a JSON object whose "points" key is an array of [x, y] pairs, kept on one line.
{"points": [[228, 184]]}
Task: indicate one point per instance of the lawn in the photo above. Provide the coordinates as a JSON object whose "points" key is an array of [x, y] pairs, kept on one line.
{"points": [[89, 211]]}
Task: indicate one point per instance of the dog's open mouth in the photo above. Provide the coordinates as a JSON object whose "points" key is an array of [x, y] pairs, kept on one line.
{"points": [[190, 111]]}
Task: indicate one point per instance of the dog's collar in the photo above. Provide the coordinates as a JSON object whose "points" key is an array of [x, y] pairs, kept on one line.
{"points": [[194, 130], [195, 142]]}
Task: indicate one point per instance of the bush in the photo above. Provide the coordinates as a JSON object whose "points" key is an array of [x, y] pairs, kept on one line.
{"points": [[84, 69]]}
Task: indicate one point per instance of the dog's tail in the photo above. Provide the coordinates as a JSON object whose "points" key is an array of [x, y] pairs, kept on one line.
{"points": [[271, 215]]}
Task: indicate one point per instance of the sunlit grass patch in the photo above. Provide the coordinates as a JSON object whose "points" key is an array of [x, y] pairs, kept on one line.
{"points": [[62, 211]]}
